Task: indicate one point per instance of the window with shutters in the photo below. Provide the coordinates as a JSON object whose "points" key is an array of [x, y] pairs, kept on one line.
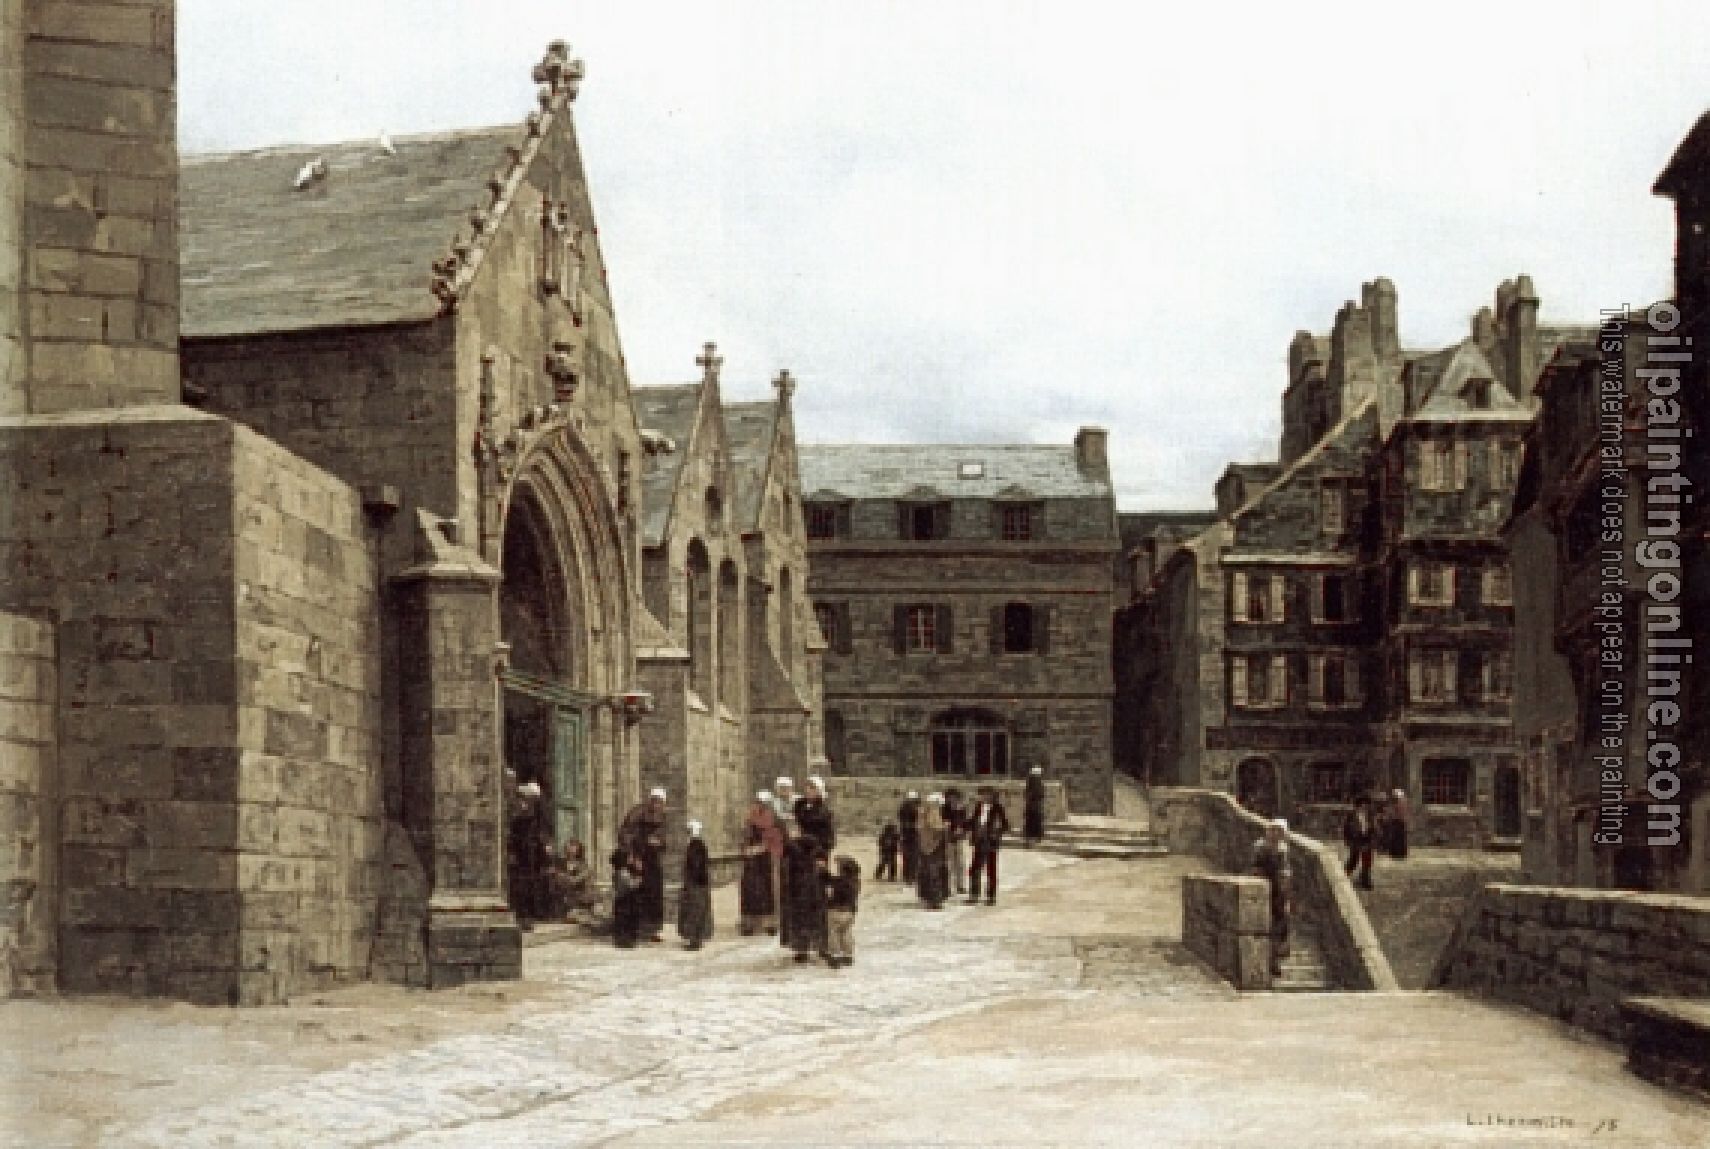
{"points": [[922, 629], [924, 522], [1504, 463], [1017, 522], [1442, 465], [1334, 680], [1259, 681], [1333, 598], [1446, 781], [1430, 583], [827, 520], [1432, 675], [1018, 625], [1498, 586], [1498, 676], [1261, 598]]}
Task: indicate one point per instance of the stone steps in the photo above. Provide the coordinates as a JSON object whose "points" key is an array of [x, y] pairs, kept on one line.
{"points": [[1303, 970], [1101, 839]]}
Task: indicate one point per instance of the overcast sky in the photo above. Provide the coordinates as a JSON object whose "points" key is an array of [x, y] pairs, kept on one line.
{"points": [[1000, 221]]}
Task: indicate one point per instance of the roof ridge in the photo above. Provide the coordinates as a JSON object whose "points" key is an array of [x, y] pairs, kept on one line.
{"points": [[192, 158]]}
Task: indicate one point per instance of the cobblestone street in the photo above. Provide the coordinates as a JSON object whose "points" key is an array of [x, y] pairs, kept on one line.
{"points": [[1067, 1015]]}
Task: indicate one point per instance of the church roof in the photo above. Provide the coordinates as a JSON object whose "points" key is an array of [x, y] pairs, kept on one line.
{"points": [[669, 410], [353, 248], [922, 471], [748, 431], [1690, 163]]}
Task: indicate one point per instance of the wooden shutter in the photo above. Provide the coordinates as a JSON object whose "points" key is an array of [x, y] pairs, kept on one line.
{"points": [[998, 637], [899, 628], [1416, 675], [1352, 694], [1413, 583], [1238, 679], [1350, 598], [1315, 679], [843, 640], [905, 521], [1238, 596], [1451, 660], [941, 521], [1448, 584], [1318, 597], [1279, 598], [1460, 456], [1279, 680], [945, 638], [1042, 629]]}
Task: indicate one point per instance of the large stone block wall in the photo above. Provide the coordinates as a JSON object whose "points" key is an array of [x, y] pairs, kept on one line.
{"points": [[13, 363], [309, 776], [213, 603], [1211, 825], [1226, 923], [29, 870], [864, 805], [1574, 954], [100, 267]]}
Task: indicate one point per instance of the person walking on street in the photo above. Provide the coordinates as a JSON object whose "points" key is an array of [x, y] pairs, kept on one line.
{"points": [[987, 824], [932, 878], [1033, 808], [643, 832], [956, 831], [908, 824], [1270, 862], [694, 907], [762, 854], [1358, 831]]}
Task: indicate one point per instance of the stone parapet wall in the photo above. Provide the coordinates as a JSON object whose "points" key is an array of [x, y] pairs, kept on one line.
{"points": [[1574, 954], [1226, 923], [864, 805], [28, 860], [1211, 825]]}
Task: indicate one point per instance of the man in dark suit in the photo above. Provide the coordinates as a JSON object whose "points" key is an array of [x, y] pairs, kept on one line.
{"points": [[1358, 832], [987, 824]]}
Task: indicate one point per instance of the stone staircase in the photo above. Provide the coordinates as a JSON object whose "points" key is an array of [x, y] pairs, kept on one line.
{"points": [[1303, 970], [1097, 837], [1416, 904]]}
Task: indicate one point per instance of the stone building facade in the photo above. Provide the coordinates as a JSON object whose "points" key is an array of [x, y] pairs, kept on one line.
{"points": [[734, 669], [964, 594], [1613, 586], [1345, 624], [324, 504]]}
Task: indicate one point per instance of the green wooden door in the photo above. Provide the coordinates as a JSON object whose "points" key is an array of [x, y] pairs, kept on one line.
{"points": [[570, 776]]}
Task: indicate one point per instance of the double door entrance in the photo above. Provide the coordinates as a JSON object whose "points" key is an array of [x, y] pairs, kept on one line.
{"points": [[546, 726]]}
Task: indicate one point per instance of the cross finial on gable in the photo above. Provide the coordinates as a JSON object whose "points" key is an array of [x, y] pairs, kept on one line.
{"points": [[709, 361], [786, 385]]}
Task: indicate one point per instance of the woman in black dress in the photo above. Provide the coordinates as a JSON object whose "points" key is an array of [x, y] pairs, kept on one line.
{"points": [[933, 883], [694, 907]]}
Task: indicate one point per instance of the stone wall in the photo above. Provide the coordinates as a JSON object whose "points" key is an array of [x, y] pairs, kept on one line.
{"points": [[1226, 923], [13, 362], [1574, 954], [100, 269], [864, 805], [1212, 826], [29, 878]]}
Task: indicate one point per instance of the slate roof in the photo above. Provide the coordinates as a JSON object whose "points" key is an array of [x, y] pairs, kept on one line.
{"points": [[671, 411], [1443, 379], [910, 471], [748, 431], [354, 249]]}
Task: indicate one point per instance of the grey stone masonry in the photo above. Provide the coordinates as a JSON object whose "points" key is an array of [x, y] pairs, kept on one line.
{"points": [[29, 877], [1226, 923]]}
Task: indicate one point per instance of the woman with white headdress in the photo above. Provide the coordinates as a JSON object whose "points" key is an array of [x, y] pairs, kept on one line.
{"points": [[643, 832], [694, 907], [762, 854], [802, 920], [1271, 862], [814, 816], [933, 877]]}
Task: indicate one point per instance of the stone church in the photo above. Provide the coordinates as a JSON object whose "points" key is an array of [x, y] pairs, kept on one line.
{"points": [[285, 594]]}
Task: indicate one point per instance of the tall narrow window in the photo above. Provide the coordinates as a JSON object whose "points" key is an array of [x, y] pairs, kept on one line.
{"points": [[1333, 504], [1017, 522], [1018, 628], [1446, 781], [825, 520]]}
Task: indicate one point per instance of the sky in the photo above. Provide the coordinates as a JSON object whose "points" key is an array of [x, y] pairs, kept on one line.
{"points": [[1000, 221]]}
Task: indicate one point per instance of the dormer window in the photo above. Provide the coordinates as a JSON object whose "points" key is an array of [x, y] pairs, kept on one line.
{"points": [[827, 520], [1017, 522], [923, 522], [1477, 394]]}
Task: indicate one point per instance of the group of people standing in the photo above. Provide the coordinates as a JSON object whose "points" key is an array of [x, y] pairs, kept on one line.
{"points": [[933, 841], [1364, 830], [791, 884]]}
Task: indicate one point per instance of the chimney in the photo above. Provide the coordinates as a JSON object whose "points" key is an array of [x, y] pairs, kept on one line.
{"points": [[1378, 298], [1090, 451], [1518, 323]]}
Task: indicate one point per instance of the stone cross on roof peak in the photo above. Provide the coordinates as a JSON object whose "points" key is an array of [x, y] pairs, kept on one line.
{"points": [[786, 385], [709, 361]]}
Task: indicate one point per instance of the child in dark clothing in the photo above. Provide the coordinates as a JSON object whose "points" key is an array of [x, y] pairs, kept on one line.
{"points": [[626, 897], [890, 845], [843, 898]]}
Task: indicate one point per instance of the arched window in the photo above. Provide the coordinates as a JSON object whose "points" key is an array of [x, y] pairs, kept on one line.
{"points": [[970, 742], [699, 614], [787, 622], [730, 660]]}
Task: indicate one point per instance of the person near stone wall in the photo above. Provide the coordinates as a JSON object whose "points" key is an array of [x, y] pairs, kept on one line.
{"points": [[1033, 808], [814, 815], [626, 897], [524, 862], [988, 822], [933, 864], [890, 845], [1394, 826], [762, 856], [643, 831], [908, 823], [803, 925], [956, 832], [694, 906], [1358, 833], [1270, 862]]}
